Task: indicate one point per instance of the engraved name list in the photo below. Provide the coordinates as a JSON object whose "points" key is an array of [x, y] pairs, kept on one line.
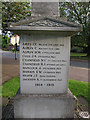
{"points": [[43, 63]]}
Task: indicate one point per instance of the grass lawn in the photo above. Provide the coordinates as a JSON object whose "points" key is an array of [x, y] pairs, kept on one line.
{"points": [[78, 88], [79, 56], [10, 88]]}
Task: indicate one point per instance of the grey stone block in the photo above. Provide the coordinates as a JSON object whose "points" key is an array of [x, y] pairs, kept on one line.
{"points": [[44, 106], [45, 9]]}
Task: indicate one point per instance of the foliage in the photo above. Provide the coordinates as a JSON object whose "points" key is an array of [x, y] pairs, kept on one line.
{"points": [[78, 12], [78, 54], [82, 56], [13, 12], [5, 40], [10, 44], [77, 49]]}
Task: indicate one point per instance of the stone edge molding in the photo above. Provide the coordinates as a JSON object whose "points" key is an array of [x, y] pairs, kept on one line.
{"points": [[25, 25]]}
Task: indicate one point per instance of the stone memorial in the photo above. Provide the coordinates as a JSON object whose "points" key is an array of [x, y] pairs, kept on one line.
{"points": [[44, 63]]}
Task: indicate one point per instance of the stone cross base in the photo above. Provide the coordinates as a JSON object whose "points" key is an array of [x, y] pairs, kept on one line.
{"points": [[45, 9], [44, 106]]}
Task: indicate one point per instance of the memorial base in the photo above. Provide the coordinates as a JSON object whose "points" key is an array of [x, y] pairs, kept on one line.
{"points": [[44, 106]]}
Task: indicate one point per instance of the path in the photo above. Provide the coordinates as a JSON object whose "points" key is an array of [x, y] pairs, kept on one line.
{"points": [[10, 66], [79, 70], [77, 73], [10, 69]]}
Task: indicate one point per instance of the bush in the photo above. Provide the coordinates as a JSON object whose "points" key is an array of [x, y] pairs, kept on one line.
{"points": [[10, 44], [77, 49], [4, 45]]}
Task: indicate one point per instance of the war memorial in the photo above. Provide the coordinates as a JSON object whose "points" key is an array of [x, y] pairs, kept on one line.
{"points": [[44, 63]]}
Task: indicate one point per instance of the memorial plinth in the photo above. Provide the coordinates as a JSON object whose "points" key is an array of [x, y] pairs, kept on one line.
{"points": [[44, 67], [44, 106]]}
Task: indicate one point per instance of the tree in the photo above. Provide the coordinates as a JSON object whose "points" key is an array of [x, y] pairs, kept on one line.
{"points": [[78, 12], [13, 12]]}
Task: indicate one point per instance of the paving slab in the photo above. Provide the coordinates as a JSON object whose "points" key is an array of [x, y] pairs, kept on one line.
{"points": [[10, 69], [77, 73]]}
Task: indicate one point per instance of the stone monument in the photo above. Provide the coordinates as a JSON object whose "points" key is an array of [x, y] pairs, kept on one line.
{"points": [[44, 64]]}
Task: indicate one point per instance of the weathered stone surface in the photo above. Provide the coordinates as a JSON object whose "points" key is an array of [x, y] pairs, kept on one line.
{"points": [[45, 9], [44, 106], [46, 22], [44, 64]]}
